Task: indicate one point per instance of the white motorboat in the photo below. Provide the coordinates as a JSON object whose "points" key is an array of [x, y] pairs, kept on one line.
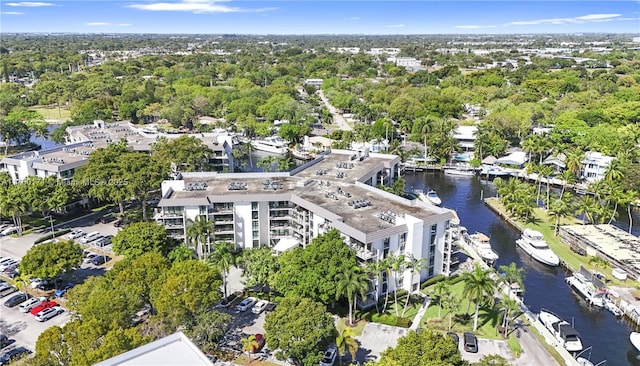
{"points": [[634, 337], [612, 307], [460, 171], [273, 144], [533, 243], [561, 330], [481, 243], [494, 171], [586, 288], [432, 197]]}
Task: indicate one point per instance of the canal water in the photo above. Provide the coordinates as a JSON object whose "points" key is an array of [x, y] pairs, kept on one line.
{"points": [[544, 286]]}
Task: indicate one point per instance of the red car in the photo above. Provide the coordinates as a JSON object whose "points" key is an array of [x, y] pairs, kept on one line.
{"points": [[44, 305], [260, 339]]}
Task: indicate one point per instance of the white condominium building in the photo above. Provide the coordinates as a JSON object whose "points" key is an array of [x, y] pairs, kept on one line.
{"points": [[336, 190]]}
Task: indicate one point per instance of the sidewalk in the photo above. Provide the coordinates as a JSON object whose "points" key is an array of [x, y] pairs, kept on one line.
{"points": [[418, 318]]}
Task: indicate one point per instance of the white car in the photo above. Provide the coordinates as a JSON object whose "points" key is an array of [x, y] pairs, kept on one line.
{"points": [[49, 313], [329, 357], [259, 306], [34, 282], [90, 237], [8, 264], [246, 304], [75, 234], [31, 303], [9, 230], [89, 257]]}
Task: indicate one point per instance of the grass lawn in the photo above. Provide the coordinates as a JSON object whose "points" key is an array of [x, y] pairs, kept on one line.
{"points": [[514, 346], [545, 225], [52, 112], [244, 360], [488, 318], [357, 330]]}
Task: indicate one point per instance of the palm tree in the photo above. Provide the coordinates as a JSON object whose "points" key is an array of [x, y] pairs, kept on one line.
{"points": [[478, 286], [22, 279], [547, 171], [440, 289], [587, 208], [222, 259], [247, 149], [511, 275], [374, 270], [567, 178], [350, 283], [425, 130], [452, 303], [598, 262], [396, 262], [574, 161], [615, 169], [507, 305], [284, 163], [347, 343], [412, 264], [14, 204], [249, 344], [558, 210], [630, 199], [200, 230]]}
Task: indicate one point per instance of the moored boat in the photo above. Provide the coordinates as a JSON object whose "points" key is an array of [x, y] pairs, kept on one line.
{"points": [[533, 243], [612, 307], [586, 288], [561, 330], [634, 338], [482, 245], [460, 171], [433, 198], [273, 144]]}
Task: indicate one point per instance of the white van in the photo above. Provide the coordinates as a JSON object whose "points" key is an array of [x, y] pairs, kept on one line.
{"points": [[89, 237]]}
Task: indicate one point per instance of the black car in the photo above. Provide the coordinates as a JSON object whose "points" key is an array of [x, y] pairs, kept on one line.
{"points": [[105, 219], [13, 354], [46, 285], [15, 300], [101, 259], [4, 341], [470, 342], [270, 306], [119, 223], [454, 336]]}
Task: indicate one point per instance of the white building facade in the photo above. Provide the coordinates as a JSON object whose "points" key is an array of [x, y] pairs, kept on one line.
{"points": [[594, 166], [336, 190]]}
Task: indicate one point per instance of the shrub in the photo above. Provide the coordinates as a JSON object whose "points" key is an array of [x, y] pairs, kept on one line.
{"points": [[454, 279], [432, 280], [392, 320], [57, 234]]}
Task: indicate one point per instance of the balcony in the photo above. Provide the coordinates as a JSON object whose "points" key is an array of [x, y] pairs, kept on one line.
{"points": [[220, 210], [368, 302], [159, 214]]}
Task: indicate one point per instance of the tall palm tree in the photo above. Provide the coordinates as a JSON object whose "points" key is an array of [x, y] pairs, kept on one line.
{"points": [[615, 169], [200, 231], [567, 178], [375, 269], [396, 262], [547, 171], [284, 163], [558, 210], [413, 264], [427, 127], [222, 258], [587, 207], [478, 287], [249, 344], [347, 343], [440, 289], [630, 198], [574, 161], [452, 303], [511, 275], [14, 203], [351, 283], [507, 305]]}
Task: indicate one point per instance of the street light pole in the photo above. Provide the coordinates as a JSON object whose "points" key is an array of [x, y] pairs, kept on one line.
{"points": [[53, 233]]}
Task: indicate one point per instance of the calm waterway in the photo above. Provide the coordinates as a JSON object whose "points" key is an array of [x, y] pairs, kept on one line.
{"points": [[545, 286]]}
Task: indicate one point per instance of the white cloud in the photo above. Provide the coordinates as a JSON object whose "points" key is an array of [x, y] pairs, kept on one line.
{"points": [[196, 6], [589, 18], [394, 25], [351, 18], [12, 13], [124, 24], [475, 26], [30, 4], [97, 24]]}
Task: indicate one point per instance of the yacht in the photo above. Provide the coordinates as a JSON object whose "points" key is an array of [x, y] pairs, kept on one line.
{"points": [[481, 244], [432, 197], [634, 337], [586, 288], [532, 242], [561, 330], [459, 171], [494, 171], [612, 307], [274, 144]]}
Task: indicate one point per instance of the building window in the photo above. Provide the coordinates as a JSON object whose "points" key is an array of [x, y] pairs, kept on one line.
{"points": [[254, 225], [203, 210], [434, 229], [254, 205]]}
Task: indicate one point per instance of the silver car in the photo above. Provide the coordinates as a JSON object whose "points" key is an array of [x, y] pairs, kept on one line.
{"points": [[49, 313]]}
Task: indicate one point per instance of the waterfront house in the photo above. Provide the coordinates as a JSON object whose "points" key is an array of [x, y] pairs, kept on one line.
{"points": [[594, 166]]}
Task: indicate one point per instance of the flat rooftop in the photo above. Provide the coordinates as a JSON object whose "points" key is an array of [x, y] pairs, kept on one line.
{"points": [[610, 241], [329, 183]]}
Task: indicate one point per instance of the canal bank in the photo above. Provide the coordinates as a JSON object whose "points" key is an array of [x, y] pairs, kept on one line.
{"points": [[545, 286]]}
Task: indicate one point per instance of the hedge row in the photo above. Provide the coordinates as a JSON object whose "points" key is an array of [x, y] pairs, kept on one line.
{"points": [[395, 321], [57, 234]]}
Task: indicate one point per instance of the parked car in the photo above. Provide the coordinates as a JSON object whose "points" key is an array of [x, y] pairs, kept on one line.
{"points": [[44, 305], [4, 260], [9, 263], [13, 354], [104, 241], [89, 257], [49, 313], [4, 341], [75, 234], [454, 336], [271, 306], [259, 306], [15, 300], [7, 290], [105, 219], [63, 290], [100, 260], [141, 316], [119, 223], [90, 237], [46, 285], [470, 342], [9, 230], [329, 357], [13, 271], [31, 303], [246, 304]]}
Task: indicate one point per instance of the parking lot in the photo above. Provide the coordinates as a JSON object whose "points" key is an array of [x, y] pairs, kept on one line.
{"points": [[22, 328]]}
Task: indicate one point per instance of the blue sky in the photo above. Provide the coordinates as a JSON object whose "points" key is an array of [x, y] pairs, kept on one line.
{"points": [[320, 17]]}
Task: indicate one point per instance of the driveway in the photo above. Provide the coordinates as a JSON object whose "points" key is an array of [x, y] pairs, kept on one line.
{"points": [[375, 339]]}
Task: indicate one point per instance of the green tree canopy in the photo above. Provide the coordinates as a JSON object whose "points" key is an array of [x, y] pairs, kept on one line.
{"points": [[423, 348], [140, 238], [50, 260]]}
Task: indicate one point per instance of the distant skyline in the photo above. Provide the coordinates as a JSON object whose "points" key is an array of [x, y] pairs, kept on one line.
{"points": [[320, 17]]}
